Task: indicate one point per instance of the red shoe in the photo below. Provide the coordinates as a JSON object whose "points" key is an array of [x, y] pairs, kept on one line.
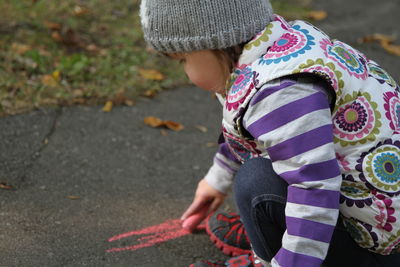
{"points": [[228, 233], [238, 261]]}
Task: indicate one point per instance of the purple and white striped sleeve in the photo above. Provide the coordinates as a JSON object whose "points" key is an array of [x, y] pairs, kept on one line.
{"points": [[220, 175], [292, 119]]}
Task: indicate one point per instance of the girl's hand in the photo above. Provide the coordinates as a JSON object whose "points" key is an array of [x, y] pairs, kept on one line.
{"points": [[205, 196]]}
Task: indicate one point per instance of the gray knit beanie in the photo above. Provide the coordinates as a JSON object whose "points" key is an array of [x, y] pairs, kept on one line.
{"points": [[190, 25]]}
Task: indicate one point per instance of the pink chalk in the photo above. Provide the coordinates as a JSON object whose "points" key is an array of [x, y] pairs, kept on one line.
{"points": [[193, 221]]}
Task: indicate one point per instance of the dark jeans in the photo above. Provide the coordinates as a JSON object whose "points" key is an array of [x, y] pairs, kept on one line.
{"points": [[260, 195]]}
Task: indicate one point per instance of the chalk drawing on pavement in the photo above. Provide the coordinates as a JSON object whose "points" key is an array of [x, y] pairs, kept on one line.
{"points": [[150, 236]]}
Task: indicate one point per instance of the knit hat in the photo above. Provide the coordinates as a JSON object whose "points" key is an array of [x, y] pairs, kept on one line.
{"points": [[189, 25]]}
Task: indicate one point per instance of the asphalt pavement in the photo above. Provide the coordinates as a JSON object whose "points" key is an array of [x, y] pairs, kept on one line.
{"points": [[81, 176]]}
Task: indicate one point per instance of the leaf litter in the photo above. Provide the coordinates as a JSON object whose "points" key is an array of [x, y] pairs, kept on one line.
{"points": [[385, 41], [158, 123]]}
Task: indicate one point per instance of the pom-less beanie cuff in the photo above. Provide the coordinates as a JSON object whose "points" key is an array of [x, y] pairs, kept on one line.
{"points": [[190, 25]]}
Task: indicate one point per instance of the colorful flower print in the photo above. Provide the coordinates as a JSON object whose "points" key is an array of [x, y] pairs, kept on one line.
{"points": [[353, 193], [392, 108], [385, 218], [343, 163], [326, 70], [380, 167], [356, 121], [294, 42], [350, 60], [241, 148], [380, 74], [361, 232], [392, 246], [283, 23], [241, 87], [261, 37]]}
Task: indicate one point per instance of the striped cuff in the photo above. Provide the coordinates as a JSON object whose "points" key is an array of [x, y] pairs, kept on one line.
{"points": [[219, 178]]}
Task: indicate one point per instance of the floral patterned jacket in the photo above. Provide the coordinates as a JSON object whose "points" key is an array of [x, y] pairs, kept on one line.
{"points": [[365, 121]]}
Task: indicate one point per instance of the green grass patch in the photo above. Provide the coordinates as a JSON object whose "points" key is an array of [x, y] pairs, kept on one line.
{"points": [[55, 52]]}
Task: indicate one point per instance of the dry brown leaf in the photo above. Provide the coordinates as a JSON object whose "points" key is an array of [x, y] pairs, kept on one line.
{"points": [[108, 106], [201, 128], [317, 15], [150, 93], [93, 48], [56, 36], [56, 75], [211, 144], [77, 92], [384, 40], [80, 11], [49, 80], [6, 186], [20, 49], [52, 25], [150, 74], [153, 121], [377, 37], [73, 197], [392, 49], [175, 126], [156, 122], [129, 102]]}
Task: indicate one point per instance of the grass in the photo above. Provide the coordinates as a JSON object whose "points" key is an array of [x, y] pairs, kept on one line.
{"points": [[55, 52]]}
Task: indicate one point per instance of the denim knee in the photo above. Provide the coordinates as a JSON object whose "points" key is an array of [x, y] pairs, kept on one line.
{"points": [[256, 177]]}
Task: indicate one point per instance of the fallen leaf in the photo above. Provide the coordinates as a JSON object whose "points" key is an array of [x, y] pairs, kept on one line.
{"points": [[45, 141], [392, 49], [211, 144], [377, 37], [20, 49], [52, 25], [149, 74], [156, 122], [6, 186], [73, 197], [49, 80], [56, 36], [385, 41], [129, 102], [80, 11], [93, 48], [77, 92], [175, 126], [108, 106], [317, 15], [150, 93], [201, 128], [153, 121], [56, 75]]}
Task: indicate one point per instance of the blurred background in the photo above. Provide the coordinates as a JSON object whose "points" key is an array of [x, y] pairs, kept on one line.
{"points": [[86, 52]]}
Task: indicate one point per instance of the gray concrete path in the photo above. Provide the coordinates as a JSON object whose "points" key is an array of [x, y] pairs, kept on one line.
{"points": [[125, 175]]}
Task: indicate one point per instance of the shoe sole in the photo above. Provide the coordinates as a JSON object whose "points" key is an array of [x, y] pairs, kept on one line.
{"points": [[225, 248]]}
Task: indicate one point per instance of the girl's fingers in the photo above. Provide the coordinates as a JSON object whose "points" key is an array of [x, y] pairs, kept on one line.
{"points": [[194, 220], [193, 208], [214, 205]]}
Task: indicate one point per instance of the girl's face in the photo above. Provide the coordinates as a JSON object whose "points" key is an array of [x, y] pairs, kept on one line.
{"points": [[204, 69]]}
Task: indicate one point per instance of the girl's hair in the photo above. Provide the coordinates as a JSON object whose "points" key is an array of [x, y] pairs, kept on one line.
{"points": [[229, 58]]}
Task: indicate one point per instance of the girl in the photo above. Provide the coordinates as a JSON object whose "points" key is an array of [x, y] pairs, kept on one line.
{"points": [[310, 131]]}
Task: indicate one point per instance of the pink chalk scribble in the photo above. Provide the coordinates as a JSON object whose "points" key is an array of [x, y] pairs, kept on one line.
{"points": [[152, 235]]}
